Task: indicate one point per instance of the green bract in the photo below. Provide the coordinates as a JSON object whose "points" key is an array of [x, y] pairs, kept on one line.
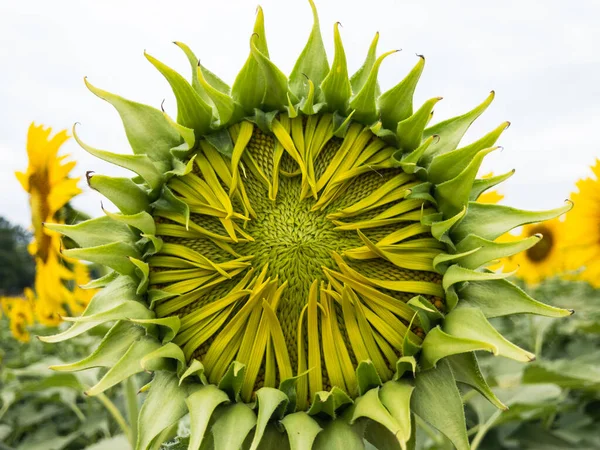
{"points": [[300, 261]]}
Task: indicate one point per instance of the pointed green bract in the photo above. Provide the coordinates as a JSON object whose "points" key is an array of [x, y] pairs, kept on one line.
{"points": [[312, 64], [336, 87]]}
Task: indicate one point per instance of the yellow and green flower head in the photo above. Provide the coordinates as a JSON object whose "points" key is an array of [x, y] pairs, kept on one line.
{"points": [[300, 260]]}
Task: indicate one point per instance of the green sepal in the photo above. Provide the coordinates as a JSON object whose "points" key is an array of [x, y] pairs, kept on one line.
{"points": [[129, 364], [301, 430], [147, 130], [121, 290], [485, 294], [491, 221], [116, 342], [409, 161], [428, 314], [482, 185], [422, 191], [276, 84], [448, 165], [307, 104], [395, 396], [226, 107], [488, 251], [441, 229], [180, 168], [409, 131], [338, 434], [453, 195], [291, 110], [452, 130], [129, 197], [410, 348], [95, 232], [201, 405], [142, 221], [335, 88], [396, 104], [187, 134], [192, 111], [101, 282], [160, 358], [140, 164], [470, 323], [439, 344], [403, 365], [456, 274], [271, 403], [121, 311], [365, 101], [212, 79], [167, 202], [329, 402], [466, 370], [163, 407], [114, 255], [221, 141], [367, 377], [312, 63], [444, 260], [288, 387], [436, 400], [232, 426], [370, 406], [249, 86], [142, 272], [195, 368], [360, 77], [156, 295], [386, 135], [232, 381], [169, 326], [263, 120], [341, 124]]}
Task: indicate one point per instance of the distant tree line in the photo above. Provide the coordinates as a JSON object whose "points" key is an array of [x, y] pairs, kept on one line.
{"points": [[17, 267]]}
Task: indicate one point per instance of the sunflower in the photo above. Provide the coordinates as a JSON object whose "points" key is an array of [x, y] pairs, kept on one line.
{"points": [[299, 260], [547, 258], [50, 189], [582, 229], [19, 312]]}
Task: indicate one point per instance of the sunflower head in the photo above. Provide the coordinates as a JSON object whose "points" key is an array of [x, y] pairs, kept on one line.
{"points": [[50, 189], [300, 259], [582, 230], [19, 312]]}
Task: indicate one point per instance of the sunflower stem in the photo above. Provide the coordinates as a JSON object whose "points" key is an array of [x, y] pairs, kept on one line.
{"points": [[116, 414], [131, 403], [482, 431]]}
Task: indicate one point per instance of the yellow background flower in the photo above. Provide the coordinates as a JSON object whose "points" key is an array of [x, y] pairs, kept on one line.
{"points": [[583, 229], [50, 189]]}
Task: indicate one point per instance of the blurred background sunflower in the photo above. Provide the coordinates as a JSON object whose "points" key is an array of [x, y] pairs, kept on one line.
{"points": [[582, 229], [56, 289]]}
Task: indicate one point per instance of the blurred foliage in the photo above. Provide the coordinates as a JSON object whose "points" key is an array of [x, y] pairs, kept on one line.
{"points": [[45, 410], [554, 401], [17, 268]]}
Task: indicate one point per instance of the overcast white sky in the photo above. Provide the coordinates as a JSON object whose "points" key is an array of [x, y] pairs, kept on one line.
{"points": [[541, 58]]}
